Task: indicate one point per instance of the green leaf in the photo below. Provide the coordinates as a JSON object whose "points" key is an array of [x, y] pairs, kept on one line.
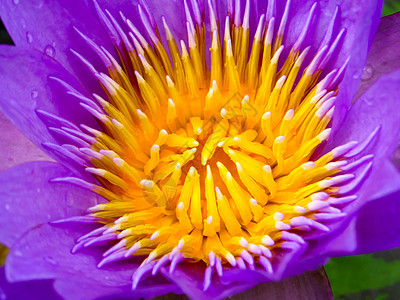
{"points": [[390, 7], [358, 273]]}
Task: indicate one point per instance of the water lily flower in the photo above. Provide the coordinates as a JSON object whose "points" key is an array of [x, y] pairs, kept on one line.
{"points": [[201, 147]]}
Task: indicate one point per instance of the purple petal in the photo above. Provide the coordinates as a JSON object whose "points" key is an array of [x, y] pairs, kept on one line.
{"points": [[190, 278], [78, 290], [29, 199], [383, 56], [20, 99], [191, 283], [173, 11], [48, 27], [360, 20], [34, 290], [16, 148], [376, 107], [378, 224], [309, 285], [45, 253]]}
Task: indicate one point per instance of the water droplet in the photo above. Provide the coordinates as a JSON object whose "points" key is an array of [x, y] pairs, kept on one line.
{"points": [[34, 94], [29, 37], [50, 51], [356, 75], [18, 253], [51, 260], [38, 190], [15, 2], [368, 72], [69, 200], [7, 206]]}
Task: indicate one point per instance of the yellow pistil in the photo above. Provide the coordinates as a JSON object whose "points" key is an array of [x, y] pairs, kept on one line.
{"points": [[213, 163]]}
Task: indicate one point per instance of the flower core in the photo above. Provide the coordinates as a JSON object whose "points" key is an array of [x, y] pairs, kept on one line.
{"points": [[214, 162]]}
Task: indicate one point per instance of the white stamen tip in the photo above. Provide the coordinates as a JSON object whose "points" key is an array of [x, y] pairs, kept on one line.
{"points": [[118, 161], [181, 243], [147, 183], [171, 102], [155, 235], [121, 220], [278, 216], [319, 196], [267, 241], [231, 259], [219, 194], [243, 242], [282, 226], [308, 165], [289, 115], [267, 115], [323, 136], [323, 184], [267, 168], [300, 209]]}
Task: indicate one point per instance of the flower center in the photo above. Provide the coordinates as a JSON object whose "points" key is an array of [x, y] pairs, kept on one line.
{"points": [[214, 164]]}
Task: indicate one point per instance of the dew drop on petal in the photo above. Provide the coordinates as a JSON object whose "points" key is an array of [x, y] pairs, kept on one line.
{"points": [[69, 200], [15, 2], [51, 260], [50, 51], [29, 37], [34, 94], [7, 207], [368, 72]]}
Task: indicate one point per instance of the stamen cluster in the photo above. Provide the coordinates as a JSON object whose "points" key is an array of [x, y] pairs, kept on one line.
{"points": [[214, 163]]}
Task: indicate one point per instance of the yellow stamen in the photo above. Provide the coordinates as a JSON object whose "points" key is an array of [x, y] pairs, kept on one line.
{"points": [[213, 162]]}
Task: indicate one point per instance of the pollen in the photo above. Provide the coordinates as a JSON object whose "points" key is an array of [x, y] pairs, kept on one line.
{"points": [[210, 154]]}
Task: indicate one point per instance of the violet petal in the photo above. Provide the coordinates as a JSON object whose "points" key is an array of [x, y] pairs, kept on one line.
{"points": [[384, 180], [34, 290], [383, 57], [44, 252], [16, 148], [20, 99], [376, 107], [77, 290], [378, 224], [48, 27], [29, 199]]}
